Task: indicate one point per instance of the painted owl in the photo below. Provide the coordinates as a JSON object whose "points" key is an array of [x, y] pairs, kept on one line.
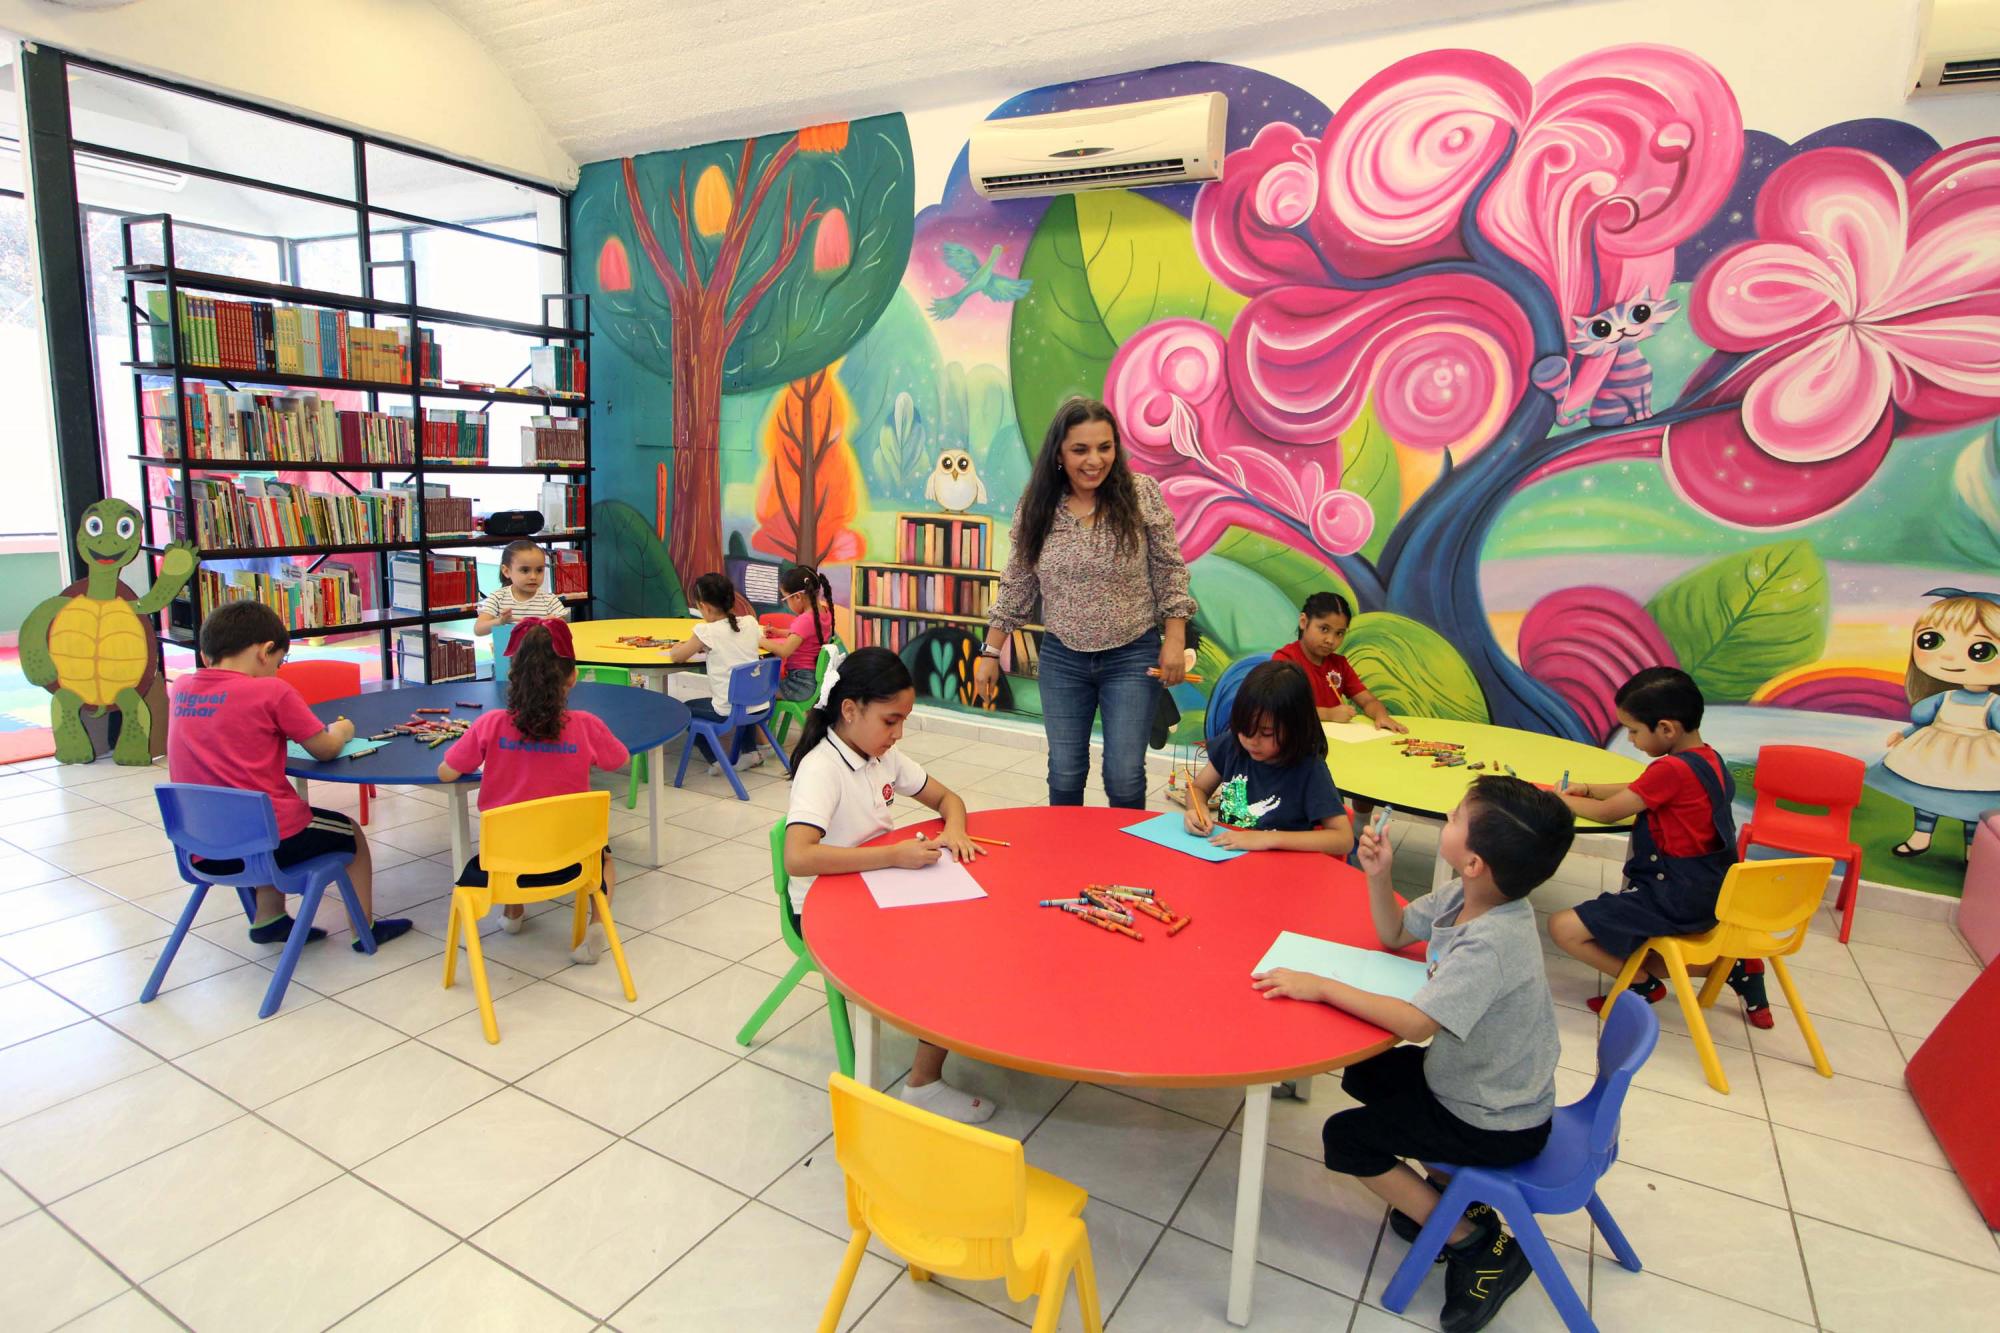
{"points": [[953, 484]]}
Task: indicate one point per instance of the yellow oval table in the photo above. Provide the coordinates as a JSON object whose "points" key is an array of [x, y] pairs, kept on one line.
{"points": [[597, 640]]}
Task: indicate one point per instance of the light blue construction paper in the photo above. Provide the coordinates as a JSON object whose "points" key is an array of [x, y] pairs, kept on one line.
{"points": [[1170, 831], [1365, 969], [347, 751]]}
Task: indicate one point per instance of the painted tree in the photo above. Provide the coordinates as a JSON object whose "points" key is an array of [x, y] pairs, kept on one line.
{"points": [[735, 267], [811, 485]]}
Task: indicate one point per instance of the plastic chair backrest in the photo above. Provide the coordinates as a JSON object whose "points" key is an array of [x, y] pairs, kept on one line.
{"points": [[1807, 775], [604, 675], [1628, 1038], [931, 1188], [753, 685], [320, 680], [1223, 697], [788, 921], [1774, 896], [501, 666], [219, 824], [544, 835]]}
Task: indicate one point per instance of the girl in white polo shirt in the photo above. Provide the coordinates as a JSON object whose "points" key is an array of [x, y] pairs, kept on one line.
{"points": [[843, 794]]}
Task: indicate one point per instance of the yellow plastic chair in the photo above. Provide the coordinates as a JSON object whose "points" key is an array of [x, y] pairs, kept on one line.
{"points": [[956, 1200], [1762, 912], [557, 842]]}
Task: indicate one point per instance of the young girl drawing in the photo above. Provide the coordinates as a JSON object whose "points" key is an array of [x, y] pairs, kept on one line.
{"points": [[1338, 694], [846, 774], [809, 597], [725, 641], [523, 567], [1270, 772], [538, 747], [1946, 763]]}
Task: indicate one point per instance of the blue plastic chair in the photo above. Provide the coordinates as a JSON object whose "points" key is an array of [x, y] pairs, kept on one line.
{"points": [[1583, 1143], [501, 664], [1223, 697], [239, 830], [750, 687]]}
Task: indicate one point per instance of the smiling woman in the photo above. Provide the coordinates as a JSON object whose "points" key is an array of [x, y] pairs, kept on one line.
{"points": [[1095, 541]]}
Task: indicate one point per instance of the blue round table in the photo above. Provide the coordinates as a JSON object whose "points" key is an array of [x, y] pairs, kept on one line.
{"points": [[641, 720]]}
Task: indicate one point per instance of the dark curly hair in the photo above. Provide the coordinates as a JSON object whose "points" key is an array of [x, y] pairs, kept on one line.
{"points": [[538, 684], [716, 590], [1048, 484]]}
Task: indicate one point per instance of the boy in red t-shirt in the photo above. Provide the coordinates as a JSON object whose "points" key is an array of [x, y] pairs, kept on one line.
{"points": [[230, 722], [1338, 694], [1683, 842]]}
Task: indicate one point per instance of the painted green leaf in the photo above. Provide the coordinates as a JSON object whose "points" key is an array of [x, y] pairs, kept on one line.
{"points": [[1412, 669], [1241, 609], [1058, 344], [1210, 661], [1738, 621], [633, 576], [1290, 570], [1142, 266], [1368, 468]]}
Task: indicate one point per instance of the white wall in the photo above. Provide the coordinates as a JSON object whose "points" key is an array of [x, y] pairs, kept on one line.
{"points": [[396, 68]]}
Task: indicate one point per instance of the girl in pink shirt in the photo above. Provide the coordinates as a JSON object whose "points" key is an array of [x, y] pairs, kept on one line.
{"points": [[809, 597], [539, 747]]}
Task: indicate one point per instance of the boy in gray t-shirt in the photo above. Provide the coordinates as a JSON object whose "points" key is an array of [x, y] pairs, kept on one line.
{"points": [[1482, 1093]]}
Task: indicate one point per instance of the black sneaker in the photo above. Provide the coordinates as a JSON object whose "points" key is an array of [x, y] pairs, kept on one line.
{"points": [[1479, 1276]]}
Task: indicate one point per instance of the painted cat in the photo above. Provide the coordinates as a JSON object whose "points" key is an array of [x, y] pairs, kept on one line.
{"points": [[1613, 382]]}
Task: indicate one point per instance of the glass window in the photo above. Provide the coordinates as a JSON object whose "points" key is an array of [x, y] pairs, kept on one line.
{"points": [[28, 500], [468, 274], [427, 188]]}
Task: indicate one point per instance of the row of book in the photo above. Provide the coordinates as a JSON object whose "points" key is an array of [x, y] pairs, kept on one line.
{"points": [[272, 338], [557, 368], [568, 573], [304, 599], [1020, 655], [951, 542], [457, 436], [951, 594], [447, 515], [253, 426], [454, 581], [449, 657], [565, 505], [552, 440], [257, 512]]}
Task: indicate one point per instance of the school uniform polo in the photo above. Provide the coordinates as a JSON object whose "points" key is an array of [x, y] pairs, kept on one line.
{"points": [[848, 798]]}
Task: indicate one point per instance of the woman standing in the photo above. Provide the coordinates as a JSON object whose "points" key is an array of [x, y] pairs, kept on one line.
{"points": [[1096, 542]]}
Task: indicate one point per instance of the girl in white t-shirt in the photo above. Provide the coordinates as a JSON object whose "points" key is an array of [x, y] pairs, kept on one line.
{"points": [[725, 641], [845, 775]]}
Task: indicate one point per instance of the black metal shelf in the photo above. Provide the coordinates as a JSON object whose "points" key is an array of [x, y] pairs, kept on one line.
{"points": [[290, 465], [187, 370], [158, 274]]}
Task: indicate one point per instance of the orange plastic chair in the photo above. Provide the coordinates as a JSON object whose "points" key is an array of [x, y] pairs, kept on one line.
{"points": [[1762, 912], [534, 840], [322, 680], [1830, 782], [956, 1200]]}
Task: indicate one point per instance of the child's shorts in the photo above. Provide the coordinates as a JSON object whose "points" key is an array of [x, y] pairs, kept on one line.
{"points": [[474, 875], [1623, 921], [327, 831], [800, 684], [1400, 1117]]}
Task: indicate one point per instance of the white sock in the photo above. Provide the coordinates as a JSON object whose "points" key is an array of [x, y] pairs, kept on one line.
{"points": [[593, 944], [512, 924], [749, 759], [943, 1099]]}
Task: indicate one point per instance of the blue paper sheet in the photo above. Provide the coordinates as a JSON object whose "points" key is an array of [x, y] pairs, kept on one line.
{"points": [[1366, 969], [347, 751], [1170, 831]]}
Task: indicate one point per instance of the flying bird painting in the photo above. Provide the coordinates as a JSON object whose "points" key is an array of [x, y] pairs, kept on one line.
{"points": [[979, 277]]}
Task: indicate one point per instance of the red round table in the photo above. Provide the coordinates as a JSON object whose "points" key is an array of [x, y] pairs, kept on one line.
{"points": [[1002, 980]]}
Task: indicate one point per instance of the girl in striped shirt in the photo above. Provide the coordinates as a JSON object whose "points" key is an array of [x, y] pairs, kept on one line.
{"points": [[523, 568]]}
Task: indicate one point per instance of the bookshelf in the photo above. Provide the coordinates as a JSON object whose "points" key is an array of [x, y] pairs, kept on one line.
{"points": [[942, 576], [234, 369]]}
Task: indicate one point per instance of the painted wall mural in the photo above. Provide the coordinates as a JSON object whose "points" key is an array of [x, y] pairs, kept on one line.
{"points": [[1557, 373]]}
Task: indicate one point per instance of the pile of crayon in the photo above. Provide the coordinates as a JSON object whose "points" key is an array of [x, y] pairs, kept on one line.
{"points": [[1113, 906], [643, 641], [1442, 754], [432, 726]]}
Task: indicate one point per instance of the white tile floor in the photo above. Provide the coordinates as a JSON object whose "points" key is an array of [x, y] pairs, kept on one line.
{"points": [[366, 1159]]}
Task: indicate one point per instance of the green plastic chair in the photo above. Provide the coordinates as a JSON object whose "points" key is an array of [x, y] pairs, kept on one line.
{"points": [[788, 924], [783, 711], [611, 675]]}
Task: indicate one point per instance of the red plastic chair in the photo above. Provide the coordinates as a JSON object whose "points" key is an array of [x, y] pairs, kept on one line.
{"points": [[1804, 775], [780, 621], [320, 681]]}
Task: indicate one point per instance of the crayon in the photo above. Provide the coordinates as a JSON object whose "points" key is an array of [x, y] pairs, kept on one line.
{"points": [[1099, 914], [468, 703], [1125, 890], [1380, 824], [1563, 786], [421, 711], [383, 736], [990, 842], [1064, 902], [1155, 671], [1179, 925], [1113, 926]]}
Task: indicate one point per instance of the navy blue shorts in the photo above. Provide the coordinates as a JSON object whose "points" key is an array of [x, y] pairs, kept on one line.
{"points": [[1622, 922]]}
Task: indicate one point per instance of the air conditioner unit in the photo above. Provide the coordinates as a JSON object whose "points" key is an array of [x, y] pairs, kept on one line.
{"points": [[1958, 48], [1120, 147]]}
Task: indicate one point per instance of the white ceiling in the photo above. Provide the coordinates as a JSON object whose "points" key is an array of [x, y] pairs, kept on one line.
{"points": [[611, 77]]}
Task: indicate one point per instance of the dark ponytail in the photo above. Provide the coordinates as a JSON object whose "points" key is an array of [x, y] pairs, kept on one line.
{"points": [[538, 684], [717, 590], [819, 595], [867, 675], [1324, 604]]}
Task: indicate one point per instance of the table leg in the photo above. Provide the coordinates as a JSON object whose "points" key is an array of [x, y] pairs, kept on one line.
{"points": [[1441, 871], [299, 786], [867, 1030], [655, 782], [461, 826], [1249, 1201]]}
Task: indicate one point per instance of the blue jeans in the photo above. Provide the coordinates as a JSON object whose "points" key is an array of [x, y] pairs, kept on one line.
{"points": [[1078, 688]]}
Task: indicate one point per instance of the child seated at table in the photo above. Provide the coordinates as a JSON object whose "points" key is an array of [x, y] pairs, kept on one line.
{"points": [[1683, 842], [724, 641], [230, 721], [1484, 1090], [809, 597], [537, 747], [523, 567], [1338, 694], [1270, 768], [845, 776]]}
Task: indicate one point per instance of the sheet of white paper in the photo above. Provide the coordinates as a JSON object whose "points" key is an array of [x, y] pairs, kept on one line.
{"points": [[942, 881], [1368, 969], [1354, 733]]}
